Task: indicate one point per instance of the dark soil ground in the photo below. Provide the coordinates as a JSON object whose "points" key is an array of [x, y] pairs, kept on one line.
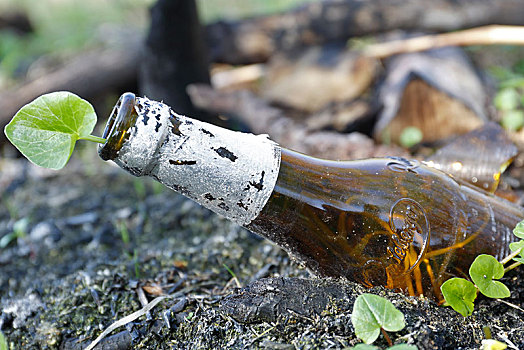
{"points": [[98, 239]]}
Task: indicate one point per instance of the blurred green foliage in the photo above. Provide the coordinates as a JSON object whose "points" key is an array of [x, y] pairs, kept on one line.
{"points": [[62, 27], [233, 9], [410, 136], [509, 99]]}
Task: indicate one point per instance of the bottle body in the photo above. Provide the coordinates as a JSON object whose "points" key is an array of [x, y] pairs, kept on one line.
{"points": [[389, 221]]}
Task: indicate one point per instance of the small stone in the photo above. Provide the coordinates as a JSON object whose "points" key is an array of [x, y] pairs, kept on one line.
{"points": [[82, 219], [46, 231]]}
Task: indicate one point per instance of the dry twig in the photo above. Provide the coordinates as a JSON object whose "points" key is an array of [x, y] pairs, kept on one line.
{"points": [[487, 35], [125, 320]]}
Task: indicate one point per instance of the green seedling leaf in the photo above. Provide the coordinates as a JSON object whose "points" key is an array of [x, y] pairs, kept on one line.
{"points": [[19, 231], [519, 230], [513, 120], [364, 347], [46, 130], [372, 312], [410, 136], [507, 99], [402, 347], [483, 271], [459, 294], [516, 246]]}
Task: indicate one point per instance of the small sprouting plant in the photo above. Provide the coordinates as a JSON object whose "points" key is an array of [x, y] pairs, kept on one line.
{"points": [[517, 247], [124, 232], [19, 231], [460, 293], [373, 314], [45, 130]]}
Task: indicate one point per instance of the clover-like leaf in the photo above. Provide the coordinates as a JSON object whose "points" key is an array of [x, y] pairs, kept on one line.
{"points": [[520, 260], [484, 271], [402, 347], [516, 246], [459, 294], [519, 230], [372, 312], [45, 130]]}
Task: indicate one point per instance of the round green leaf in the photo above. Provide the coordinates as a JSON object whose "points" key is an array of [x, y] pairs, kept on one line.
{"points": [[459, 294], [402, 347], [364, 347], [46, 129], [513, 120], [519, 230], [372, 312], [410, 136], [516, 245], [507, 99], [483, 271]]}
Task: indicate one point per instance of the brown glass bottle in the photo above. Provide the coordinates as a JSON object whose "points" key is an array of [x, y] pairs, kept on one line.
{"points": [[386, 221], [390, 222]]}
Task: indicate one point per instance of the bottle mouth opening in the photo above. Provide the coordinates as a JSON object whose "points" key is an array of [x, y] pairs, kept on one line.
{"points": [[117, 129]]}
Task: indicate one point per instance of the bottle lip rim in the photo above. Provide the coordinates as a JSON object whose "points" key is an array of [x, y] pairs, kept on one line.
{"points": [[122, 117]]}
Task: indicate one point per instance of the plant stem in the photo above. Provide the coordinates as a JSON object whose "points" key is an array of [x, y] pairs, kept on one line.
{"points": [[512, 266], [93, 138], [511, 256], [385, 334]]}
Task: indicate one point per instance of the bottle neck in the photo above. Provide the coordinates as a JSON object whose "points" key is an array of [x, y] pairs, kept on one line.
{"points": [[229, 172]]}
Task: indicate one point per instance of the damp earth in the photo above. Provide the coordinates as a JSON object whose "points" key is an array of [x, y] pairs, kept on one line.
{"points": [[95, 244]]}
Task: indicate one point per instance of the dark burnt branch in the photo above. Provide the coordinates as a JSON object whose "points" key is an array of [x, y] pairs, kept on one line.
{"points": [[254, 40], [174, 55], [271, 299]]}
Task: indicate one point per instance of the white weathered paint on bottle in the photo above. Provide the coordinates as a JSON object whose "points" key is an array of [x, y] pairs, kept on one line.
{"points": [[231, 173]]}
